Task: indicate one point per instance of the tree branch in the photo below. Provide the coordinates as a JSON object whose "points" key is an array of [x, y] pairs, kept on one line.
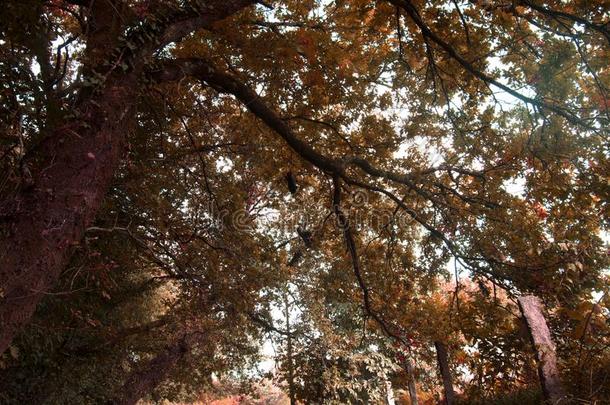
{"points": [[428, 33]]}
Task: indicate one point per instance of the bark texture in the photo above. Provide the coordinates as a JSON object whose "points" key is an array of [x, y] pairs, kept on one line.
{"points": [[540, 336], [48, 220], [443, 365], [412, 386]]}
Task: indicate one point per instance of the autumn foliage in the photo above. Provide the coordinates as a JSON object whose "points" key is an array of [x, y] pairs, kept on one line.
{"points": [[342, 200]]}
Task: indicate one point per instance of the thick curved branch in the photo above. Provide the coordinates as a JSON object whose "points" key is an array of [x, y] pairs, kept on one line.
{"points": [[186, 21], [201, 69], [226, 83], [177, 69]]}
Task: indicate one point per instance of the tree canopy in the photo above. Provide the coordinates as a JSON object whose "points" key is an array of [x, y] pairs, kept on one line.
{"points": [[362, 185]]}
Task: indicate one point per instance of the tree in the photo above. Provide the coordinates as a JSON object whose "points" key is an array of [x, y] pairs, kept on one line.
{"points": [[443, 365], [187, 116], [544, 346], [79, 156]]}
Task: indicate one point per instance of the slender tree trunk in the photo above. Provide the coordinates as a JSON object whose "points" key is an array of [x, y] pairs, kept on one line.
{"points": [[443, 365], [389, 397], [145, 379], [289, 354], [411, 377], [540, 336]]}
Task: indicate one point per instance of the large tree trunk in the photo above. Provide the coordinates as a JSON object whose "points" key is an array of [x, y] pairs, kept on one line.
{"points": [[145, 379], [411, 377], [72, 172], [540, 336], [43, 222], [443, 365], [47, 220]]}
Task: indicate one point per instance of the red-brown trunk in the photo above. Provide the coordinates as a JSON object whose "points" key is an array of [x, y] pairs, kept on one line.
{"points": [[443, 365], [44, 223]]}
